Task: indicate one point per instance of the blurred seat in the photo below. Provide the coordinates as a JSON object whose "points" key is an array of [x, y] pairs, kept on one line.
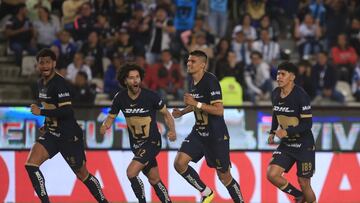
{"points": [[28, 65]]}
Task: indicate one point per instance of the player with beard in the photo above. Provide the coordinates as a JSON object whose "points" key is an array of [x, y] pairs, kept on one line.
{"points": [[139, 106], [61, 133], [292, 122], [209, 136]]}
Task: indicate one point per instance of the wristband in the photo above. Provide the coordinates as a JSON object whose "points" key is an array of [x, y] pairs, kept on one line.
{"points": [[199, 105]]}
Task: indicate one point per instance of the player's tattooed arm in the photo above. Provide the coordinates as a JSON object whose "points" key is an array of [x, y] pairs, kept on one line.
{"points": [[107, 124], [170, 123]]}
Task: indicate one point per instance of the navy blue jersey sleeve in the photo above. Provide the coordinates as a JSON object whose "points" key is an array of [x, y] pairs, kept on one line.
{"points": [[115, 106], [63, 93], [158, 103], [215, 91], [305, 122]]}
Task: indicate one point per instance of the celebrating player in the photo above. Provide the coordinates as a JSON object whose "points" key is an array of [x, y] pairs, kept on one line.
{"points": [[61, 133], [209, 135], [291, 122], [139, 106]]}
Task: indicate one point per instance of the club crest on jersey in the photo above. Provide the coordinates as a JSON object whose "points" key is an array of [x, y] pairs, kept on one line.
{"points": [[136, 110], [282, 109]]}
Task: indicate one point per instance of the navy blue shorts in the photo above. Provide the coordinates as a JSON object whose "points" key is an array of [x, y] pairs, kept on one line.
{"points": [[215, 150], [72, 150], [147, 153], [304, 159]]}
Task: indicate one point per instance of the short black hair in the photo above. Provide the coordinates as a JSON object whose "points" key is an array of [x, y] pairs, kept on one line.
{"points": [[46, 52], [256, 53], [124, 72], [83, 74], [200, 54], [288, 66]]}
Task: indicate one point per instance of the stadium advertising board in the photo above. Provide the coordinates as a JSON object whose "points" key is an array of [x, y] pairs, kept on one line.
{"points": [[334, 130], [336, 179]]}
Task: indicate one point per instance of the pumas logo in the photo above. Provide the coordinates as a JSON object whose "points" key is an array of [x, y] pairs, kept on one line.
{"points": [[136, 110], [282, 109]]}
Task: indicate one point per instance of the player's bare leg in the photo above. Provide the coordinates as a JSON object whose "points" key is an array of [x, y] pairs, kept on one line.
{"points": [[181, 165], [305, 184], [137, 185], [91, 182], [231, 185], [274, 175], [159, 187], [37, 156]]}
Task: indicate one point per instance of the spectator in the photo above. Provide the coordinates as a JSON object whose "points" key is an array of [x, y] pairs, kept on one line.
{"points": [[230, 67], [221, 49], [106, 32], [200, 43], [76, 66], [69, 10], [83, 93], [266, 24], [354, 34], [318, 11], [46, 28], [200, 26], [123, 46], [269, 49], [246, 27], [122, 12], [307, 34], [84, 23], [66, 46], [33, 6], [256, 10], [111, 84], [257, 78], [20, 32], [344, 58], [336, 21], [168, 77], [93, 52], [218, 17], [241, 48], [304, 78], [325, 78], [148, 78], [160, 30]]}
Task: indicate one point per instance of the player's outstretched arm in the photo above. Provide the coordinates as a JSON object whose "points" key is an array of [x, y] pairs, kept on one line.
{"points": [[169, 120], [60, 112], [215, 108], [177, 113], [106, 124]]}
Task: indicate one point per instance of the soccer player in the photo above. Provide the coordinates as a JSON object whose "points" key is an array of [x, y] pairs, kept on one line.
{"points": [[209, 136], [291, 122], [61, 133], [139, 106]]}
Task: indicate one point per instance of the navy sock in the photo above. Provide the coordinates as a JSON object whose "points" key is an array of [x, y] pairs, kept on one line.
{"points": [[138, 188], [193, 178], [92, 183], [38, 182]]}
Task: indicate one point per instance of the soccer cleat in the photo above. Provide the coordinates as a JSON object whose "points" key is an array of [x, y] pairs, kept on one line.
{"points": [[300, 199], [209, 198]]}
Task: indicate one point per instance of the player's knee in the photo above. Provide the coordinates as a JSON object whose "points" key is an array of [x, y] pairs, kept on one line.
{"points": [[153, 180], [180, 166], [303, 182], [131, 173], [272, 175]]}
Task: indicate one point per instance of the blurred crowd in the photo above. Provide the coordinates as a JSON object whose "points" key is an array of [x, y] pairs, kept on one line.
{"points": [[244, 40]]}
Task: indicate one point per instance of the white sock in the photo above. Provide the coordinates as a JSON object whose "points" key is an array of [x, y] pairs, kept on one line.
{"points": [[206, 192]]}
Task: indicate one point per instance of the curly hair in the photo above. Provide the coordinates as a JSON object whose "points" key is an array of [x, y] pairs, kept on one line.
{"points": [[124, 72]]}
